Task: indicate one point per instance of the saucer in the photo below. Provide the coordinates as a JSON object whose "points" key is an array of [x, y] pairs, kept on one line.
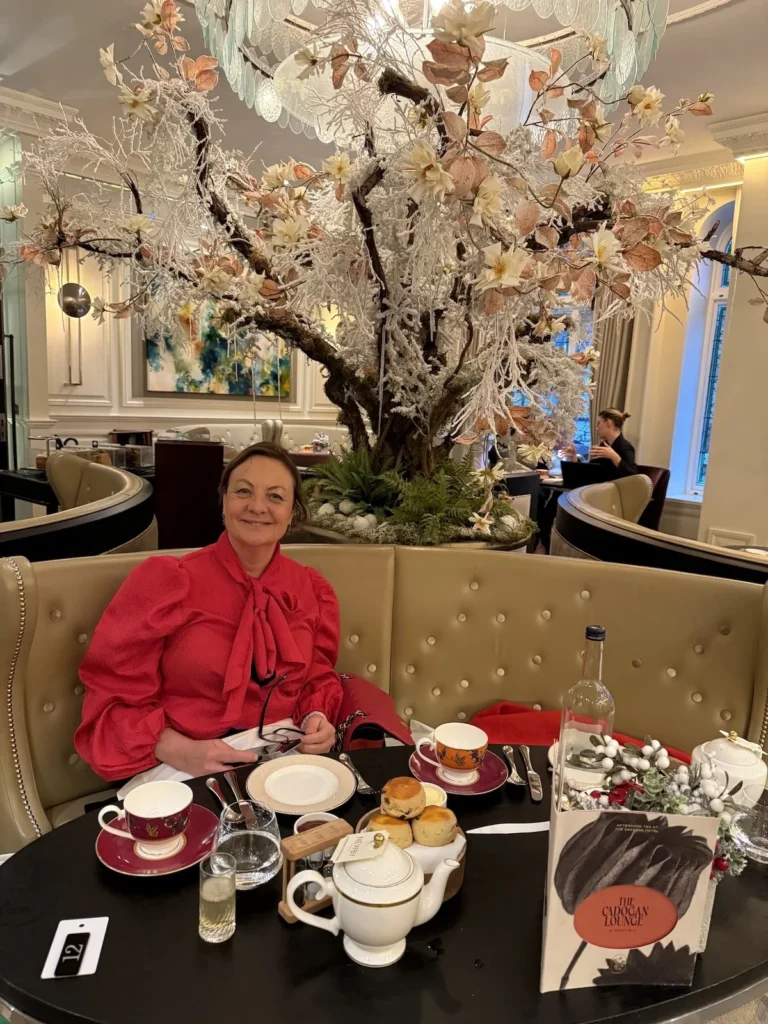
{"points": [[122, 856], [492, 774], [301, 783]]}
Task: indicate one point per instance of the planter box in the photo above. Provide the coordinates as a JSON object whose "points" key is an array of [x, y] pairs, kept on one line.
{"points": [[318, 535]]}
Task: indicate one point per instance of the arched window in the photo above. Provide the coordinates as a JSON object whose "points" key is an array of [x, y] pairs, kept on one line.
{"points": [[714, 328]]}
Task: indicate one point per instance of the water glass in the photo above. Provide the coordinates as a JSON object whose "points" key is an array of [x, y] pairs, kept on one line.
{"points": [[217, 897], [750, 830], [255, 846]]}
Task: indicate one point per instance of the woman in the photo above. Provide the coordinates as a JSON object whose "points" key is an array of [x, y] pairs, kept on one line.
{"points": [[614, 446], [230, 637]]}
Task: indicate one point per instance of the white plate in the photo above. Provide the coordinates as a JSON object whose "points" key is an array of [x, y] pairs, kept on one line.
{"points": [[301, 783]]}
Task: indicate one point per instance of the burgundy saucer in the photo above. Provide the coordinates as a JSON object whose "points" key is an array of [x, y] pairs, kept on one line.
{"points": [[492, 775], [120, 854]]}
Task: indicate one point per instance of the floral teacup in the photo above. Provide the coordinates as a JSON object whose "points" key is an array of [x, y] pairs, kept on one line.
{"points": [[460, 750]]}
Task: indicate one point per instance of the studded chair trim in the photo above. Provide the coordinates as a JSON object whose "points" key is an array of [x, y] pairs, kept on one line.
{"points": [[9, 697]]}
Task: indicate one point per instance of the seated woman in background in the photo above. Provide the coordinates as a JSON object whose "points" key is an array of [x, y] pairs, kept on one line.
{"points": [[228, 638], [614, 446]]}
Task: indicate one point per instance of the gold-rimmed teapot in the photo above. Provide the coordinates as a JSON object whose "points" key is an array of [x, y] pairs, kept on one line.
{"points": [[735, 760]]}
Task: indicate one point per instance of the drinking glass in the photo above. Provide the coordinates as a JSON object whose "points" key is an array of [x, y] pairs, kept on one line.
{"points": [[217, 897], [750, 830], [255, 847]]}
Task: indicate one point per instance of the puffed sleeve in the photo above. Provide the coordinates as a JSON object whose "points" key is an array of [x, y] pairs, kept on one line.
{"points": [[322, 688], [122, 711]]}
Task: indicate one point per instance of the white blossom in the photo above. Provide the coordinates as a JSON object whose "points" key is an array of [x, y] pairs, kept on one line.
{"points": [[503, 267]]}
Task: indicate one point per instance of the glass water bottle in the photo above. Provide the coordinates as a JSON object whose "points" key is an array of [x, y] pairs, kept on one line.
{"points": [[588, 710]]}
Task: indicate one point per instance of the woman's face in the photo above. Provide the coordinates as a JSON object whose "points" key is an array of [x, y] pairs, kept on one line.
{"points": [[258, 503], [605, 429]]}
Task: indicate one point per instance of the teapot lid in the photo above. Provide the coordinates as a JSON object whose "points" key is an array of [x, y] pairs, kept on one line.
{"points": [[389, 878], [733, 751]]}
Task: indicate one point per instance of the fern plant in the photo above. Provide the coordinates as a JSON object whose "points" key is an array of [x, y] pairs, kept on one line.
{"points": [[352, 477]]}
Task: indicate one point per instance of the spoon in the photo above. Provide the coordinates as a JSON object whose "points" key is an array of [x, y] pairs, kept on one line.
{"points": [[232, 816]]}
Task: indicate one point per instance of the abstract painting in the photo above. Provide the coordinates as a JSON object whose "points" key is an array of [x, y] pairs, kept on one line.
{"points": [[195, 359]]}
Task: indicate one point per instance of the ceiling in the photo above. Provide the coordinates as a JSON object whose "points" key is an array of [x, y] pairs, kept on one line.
{"points": [[52, 51]]}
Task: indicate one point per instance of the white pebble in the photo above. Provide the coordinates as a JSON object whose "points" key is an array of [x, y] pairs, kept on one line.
{"points": [[716, 806], [326, 510], [655, 744], [373, 522], [625, 775], [644, 764], [346, 506], [607, 762], [662, 762], [361, 524], [647, 750]]}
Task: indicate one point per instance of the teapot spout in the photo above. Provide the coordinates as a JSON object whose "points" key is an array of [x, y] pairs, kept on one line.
{"points": [[432, 893]]}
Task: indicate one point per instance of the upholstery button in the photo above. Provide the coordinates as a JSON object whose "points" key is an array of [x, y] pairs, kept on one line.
{"points": [[697, 698], [408, 711], [537, 707], [49, 707], [436, 691], [726, 716], [537, 659], [461, 617], [461, 715], [672, 673], [55, 615], [464, 684], [474, 585], [585, 595], [82, 638], [431, 641], [636, 663], [725, 630], [79, 691], [371, 668], [354, 638], [410, 669], [500, 672], [698, 649], [546, 615], [501, 618], [73, 759]]}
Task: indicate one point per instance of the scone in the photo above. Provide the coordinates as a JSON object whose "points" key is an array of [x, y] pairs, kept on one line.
{"points": [[399, 831], [403, 797], [435, 826]]}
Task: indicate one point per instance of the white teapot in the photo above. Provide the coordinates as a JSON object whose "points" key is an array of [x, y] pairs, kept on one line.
{"points": [[376, 902], [735, 760]]}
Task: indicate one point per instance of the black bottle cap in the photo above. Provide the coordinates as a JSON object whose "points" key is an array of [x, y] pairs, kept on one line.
{"points": [[595, 633]]}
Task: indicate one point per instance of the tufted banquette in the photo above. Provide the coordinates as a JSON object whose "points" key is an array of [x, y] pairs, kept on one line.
{"points": [[445, 631]]}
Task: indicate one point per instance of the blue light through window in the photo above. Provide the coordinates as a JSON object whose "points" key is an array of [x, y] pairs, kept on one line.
{"points": [[709, 403], [725, 273]]}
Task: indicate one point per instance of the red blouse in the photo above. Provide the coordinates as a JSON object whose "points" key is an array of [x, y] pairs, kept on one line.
{"points": [[177, 645]]}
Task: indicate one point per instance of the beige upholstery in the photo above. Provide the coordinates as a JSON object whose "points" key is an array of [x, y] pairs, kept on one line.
{"points": [[625, 498], [446, 631]]}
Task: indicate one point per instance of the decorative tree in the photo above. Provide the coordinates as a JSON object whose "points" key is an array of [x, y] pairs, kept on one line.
{"points": [[438, 248]]}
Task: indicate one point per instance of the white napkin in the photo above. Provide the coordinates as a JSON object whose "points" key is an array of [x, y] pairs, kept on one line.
{"points": [[248, 740], [510, 826]]}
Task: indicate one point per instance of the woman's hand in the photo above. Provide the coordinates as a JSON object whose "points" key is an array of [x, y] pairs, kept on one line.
{"points": [[198, 757], [319, 735], [569, 453], [605, 452]]}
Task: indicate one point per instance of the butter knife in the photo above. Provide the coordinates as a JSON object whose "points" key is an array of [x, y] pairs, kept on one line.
{"points": [[534, 779], [245, 808]]}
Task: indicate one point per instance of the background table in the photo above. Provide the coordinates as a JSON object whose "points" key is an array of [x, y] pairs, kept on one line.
{"points": [[26, 485], [477, 961]]}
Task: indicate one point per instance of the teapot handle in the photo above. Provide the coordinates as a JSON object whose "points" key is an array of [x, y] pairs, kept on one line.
{"points": [[326, 888]]}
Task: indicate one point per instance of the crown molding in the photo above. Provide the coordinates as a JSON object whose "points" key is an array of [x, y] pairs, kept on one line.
{"points": [[744, 136], [697, 171], [31, 115]]}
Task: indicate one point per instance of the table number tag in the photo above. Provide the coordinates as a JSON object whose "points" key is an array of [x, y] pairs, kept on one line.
{"points": [[360, 846]]}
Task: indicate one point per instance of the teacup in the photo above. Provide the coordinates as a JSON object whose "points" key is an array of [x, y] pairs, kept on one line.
{"points": [[156, 816], [460, 749]]}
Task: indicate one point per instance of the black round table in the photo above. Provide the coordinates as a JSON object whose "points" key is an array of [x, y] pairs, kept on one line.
{"points": [[477, 960]]}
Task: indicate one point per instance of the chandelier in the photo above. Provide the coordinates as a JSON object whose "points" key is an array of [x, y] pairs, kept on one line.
{"points": [[253, 39]]}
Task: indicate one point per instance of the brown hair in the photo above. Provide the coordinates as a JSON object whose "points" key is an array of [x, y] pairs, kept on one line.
{"points": [[614, 416], [265, 450]]}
